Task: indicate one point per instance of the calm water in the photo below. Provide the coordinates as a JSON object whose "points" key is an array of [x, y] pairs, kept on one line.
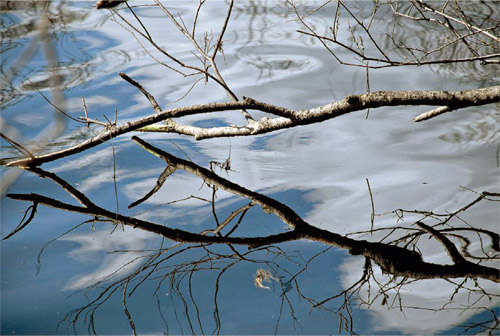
{"points": [[320, 171]]}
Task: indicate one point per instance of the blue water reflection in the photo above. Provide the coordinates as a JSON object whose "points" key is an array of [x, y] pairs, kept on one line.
{"points": [[320, 171]]}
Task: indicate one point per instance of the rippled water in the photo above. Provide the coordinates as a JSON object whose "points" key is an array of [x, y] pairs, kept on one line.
{"points": [[319, 170]]}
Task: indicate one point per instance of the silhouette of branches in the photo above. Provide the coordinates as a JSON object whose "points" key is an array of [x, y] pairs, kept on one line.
{"points": [[404, 264]]}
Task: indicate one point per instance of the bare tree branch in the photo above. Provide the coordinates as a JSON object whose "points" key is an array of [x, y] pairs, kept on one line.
{"points": [[287, 118], [427, 7], [393, 259]]}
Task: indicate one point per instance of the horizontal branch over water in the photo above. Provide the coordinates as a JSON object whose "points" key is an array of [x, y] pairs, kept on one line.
{"points": [[285, 118]]}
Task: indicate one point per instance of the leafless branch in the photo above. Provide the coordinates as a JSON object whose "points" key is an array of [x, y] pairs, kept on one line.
{"points": [[391, 258], [287, 118]]}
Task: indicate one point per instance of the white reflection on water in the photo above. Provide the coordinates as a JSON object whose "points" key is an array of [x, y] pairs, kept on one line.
{"points": [[432, 294], [98, 245], [93, 103]]}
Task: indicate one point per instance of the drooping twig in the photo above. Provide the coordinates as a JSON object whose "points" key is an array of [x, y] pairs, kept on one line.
{"points": [[163, 177], [23, 223], [451, 249]]}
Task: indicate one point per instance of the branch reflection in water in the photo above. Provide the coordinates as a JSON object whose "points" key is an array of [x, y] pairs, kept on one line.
{"points": [[392, 261]]}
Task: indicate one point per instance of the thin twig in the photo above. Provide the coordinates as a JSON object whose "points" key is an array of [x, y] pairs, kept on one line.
{"points": [[18, 146], [372, 216]]}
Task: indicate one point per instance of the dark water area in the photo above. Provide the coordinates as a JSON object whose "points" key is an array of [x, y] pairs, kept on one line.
{"points": [[63, 261]]}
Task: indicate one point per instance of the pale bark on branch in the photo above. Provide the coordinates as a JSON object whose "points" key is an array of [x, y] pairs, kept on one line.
{"points": [[285, 118]]}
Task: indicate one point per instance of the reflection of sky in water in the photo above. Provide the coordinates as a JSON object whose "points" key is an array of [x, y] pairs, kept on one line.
{"points": [[94, 246], [318, 170]]}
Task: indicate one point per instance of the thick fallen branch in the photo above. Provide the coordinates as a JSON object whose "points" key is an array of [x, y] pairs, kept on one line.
{"points": [[285, 118]]}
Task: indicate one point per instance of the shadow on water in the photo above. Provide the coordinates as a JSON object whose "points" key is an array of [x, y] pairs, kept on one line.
{"points": [[391, 263]]}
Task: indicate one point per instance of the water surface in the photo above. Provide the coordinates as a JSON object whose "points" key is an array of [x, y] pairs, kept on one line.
{"points": [[319, 170]]}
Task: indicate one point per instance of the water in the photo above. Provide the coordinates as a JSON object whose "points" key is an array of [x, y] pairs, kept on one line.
{"points": [[320, 171]]}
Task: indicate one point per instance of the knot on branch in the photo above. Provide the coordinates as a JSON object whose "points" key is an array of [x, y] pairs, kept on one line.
{"points": [[352, 99], [392, 259]]}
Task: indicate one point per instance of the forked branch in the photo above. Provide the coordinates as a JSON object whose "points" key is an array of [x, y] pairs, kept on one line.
{"points": [[285, 118], [393, 259]]}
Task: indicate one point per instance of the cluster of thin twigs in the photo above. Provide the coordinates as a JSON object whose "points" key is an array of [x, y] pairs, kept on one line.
{"points": [[456, 20], [173, 274]]}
